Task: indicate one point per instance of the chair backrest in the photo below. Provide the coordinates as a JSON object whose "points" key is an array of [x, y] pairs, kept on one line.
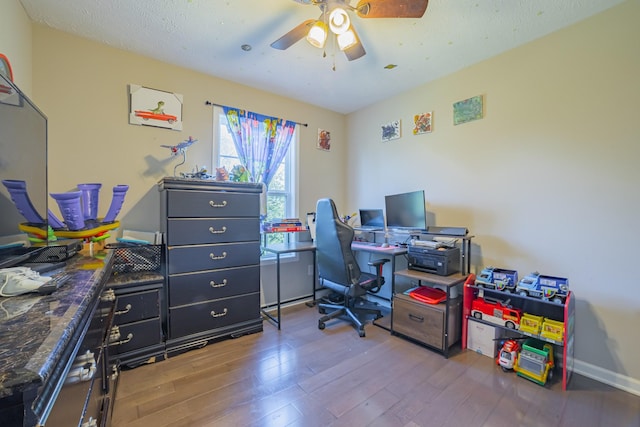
{"points": [[336, 261]]}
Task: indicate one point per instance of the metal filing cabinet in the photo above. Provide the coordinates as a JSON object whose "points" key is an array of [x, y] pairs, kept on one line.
{"points": [[212, 235]]}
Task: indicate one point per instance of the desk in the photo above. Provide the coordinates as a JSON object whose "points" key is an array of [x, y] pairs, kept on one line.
{"points": [[392, 252], [286, 248]]}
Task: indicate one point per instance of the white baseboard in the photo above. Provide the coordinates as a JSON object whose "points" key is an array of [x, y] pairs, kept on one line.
{"points": [[622, 382]]}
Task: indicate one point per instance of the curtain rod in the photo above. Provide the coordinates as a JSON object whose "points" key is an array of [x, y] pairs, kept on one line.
{"points": [[218, 105]]}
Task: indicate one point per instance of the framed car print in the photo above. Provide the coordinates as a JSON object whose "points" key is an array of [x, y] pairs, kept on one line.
{"points": [[152, 107]]}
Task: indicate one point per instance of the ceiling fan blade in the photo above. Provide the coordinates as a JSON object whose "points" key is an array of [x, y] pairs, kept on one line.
{"points": [[391, 8], [293, 36], [357, 50]]}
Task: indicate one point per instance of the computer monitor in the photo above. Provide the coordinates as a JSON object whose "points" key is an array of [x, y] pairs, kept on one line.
{"points": [[372, 218], [406, 211]]}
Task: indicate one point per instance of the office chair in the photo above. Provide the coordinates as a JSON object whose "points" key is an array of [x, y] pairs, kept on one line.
{"points": [[338, 269]]}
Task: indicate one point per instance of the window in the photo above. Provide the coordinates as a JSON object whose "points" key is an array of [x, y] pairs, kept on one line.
{"points": [[281, 194]]}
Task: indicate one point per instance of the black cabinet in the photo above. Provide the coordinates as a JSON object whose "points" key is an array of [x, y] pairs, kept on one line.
{"points": [[212, 235]]}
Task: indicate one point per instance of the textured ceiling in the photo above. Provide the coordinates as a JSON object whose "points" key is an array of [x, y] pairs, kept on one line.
{"points": [[206, 36]]}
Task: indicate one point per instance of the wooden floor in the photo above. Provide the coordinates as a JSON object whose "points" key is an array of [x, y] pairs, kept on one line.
{"points": [[301, 376]]}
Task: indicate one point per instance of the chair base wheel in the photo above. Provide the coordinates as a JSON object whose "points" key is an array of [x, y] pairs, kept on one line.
{"points": [[361, 333], [321, 325]]}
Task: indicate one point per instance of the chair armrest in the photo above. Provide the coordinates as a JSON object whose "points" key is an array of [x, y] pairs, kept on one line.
{"points": [[378, 262]]}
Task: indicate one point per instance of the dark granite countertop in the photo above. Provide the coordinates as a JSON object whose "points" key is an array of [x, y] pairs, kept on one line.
{"points": [[35, 330]]}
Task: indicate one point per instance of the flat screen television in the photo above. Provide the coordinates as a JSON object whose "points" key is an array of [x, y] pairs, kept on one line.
{"points": [[23, 157], [406, 211]]}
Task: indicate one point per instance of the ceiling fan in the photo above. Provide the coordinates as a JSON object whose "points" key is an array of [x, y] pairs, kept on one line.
{"points": [[335, 20]]}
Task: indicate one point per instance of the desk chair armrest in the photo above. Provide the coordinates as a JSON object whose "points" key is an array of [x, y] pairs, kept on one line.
{"points": [[378, 264]]}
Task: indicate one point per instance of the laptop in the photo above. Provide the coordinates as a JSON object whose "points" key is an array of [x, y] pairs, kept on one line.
{"points": [[371, 220]]}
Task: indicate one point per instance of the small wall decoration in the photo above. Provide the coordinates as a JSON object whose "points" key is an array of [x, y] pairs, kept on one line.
{"points": [[391, 131], [7, 94], [467, 110], [151, 107], [324, 140], [5, 67], [422, 123]]}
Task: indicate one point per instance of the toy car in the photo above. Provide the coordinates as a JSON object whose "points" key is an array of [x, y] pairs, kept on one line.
{"points": [[146, 115], [497, 278], [508, 355], [549, 288], [535, 361], [497, 312]]}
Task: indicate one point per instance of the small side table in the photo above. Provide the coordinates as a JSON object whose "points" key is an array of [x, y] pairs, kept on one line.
{"points": [[286, 248]]}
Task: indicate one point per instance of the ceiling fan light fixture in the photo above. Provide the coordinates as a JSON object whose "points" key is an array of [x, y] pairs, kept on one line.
{"points": [[317, 35], [339, 21], [347, 39]]}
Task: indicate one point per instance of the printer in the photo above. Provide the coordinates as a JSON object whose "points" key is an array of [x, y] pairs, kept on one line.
{"points": [[438, 259]]}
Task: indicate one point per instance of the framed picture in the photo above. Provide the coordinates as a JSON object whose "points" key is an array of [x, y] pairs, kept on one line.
{"points": [[391, 131], [152, 107], [467, 110], [324, 140], [422, 123]]}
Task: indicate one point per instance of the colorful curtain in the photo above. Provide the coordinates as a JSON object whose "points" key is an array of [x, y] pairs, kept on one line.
{"points": [[261, 141]]}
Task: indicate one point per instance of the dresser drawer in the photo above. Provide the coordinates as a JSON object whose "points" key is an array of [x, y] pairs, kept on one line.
{"points": [[191, 319], [212, 230], [208, 204], [137, 335], [137, 306], [184, 259], [195, 287]]}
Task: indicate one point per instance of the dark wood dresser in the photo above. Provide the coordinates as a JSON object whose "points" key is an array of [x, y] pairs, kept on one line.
{"points": [[212, 241]]}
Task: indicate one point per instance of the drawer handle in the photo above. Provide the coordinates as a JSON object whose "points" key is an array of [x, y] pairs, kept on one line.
{"points": [[127, 308], [217, 205], [108, 296], [214, 314], [124, 341], [214, 231], [214, 257], [114, 333], [416, 318], [218, 285]]}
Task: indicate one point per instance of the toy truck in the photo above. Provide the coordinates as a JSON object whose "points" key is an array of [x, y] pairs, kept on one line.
{"points": [[535, 361], [508, 355], [549, 288], [497, 278], [496, 312]]}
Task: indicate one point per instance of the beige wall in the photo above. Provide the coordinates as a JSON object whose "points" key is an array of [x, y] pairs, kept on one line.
{"points": [[546, 181], [82, 87], [15, 42]]}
